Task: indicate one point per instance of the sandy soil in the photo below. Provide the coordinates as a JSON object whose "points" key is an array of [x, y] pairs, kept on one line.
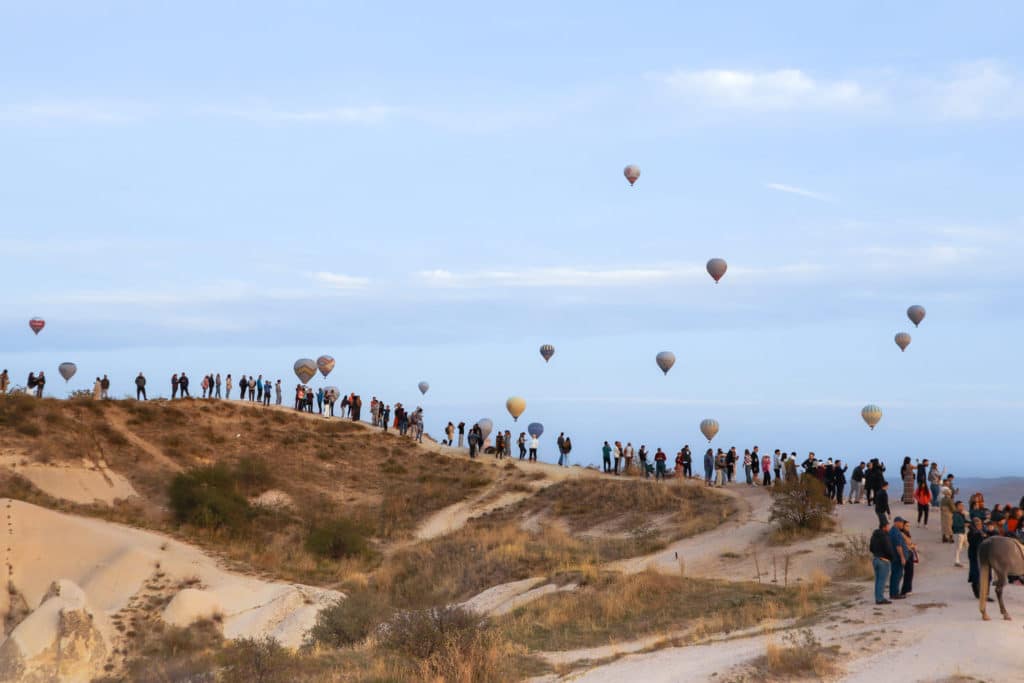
{"points": [[85, 482]]}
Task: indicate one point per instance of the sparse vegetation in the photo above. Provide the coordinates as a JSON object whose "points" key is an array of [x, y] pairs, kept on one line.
{"points": [[209, 498], [338, 538], [801, 656], [800, 509], [854, 559], [349, 620]]}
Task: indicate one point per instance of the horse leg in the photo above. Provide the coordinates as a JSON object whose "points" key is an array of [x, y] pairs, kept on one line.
{"points": [[1000, 582], [983, 592]]}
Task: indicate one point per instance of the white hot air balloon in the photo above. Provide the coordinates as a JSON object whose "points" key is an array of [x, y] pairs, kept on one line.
{"points": [[632, 173], [424, 387], [485, 426], [709, 428], [871, 415]]}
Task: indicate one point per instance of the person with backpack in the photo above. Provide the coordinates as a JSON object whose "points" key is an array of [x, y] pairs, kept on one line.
{"points": [[567, 447], [561, 449], [140, 387]]}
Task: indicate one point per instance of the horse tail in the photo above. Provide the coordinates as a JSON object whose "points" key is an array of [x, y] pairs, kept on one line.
{"points": [[985, 569]]}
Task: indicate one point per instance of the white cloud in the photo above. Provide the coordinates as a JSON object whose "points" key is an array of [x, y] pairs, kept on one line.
{"points": [[910, 258], [340, 281], [792, 189], [780, 90], [353, 115], [977, 90], [73, 111]]}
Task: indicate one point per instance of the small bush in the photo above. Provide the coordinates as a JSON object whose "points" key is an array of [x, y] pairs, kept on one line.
{"points": [[799, 505], [424, 633], [803, 656], [854, 559], [349, 620], [338, 538], [257, 660], [208, 497], [253, 475]]}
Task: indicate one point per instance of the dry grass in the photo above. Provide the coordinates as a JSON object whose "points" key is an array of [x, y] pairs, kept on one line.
{"points": [[800, 657], [612, 607], [854, 559]]}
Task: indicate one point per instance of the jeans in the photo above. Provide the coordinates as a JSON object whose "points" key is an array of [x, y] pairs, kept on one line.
{"points": [[935, 495], [659, 470], [607, 464], [881, 568], [778, 474], [895, 579], [707, 475], [533, 453], [856, 489], [746, 471]]}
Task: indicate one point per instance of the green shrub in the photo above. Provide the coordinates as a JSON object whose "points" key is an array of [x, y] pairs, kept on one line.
{"points": [[337, 538], [257, 660], [349, 620], [253, 475], [208, 497]]}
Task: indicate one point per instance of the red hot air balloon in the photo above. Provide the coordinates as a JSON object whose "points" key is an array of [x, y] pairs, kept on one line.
{"points": [[37, 324]]}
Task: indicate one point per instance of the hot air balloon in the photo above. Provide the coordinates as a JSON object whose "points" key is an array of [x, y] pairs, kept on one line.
{"points": [[37, 324], [547, 351], [632, 172], [305, 368], [708, 428], [665, 360], [515, 407], [67, 370], [916, 314], [424, 387], [871, 414], [535, 429], [716, 268], [325, 364], [903, 341], [485, 426]]}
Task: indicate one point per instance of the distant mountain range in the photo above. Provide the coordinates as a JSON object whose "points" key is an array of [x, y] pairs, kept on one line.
{"points": [[995, 490]]}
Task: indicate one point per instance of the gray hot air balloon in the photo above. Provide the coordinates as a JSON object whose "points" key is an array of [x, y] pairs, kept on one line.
{"points": [[547, 351], [535, 429], [67, 370], [916, 314], [305, 368], [325, 364], [871, 415], [486, 426], [709, 428], [632, 173], [424, 387], [665, 360], [716, 268], [903, 341]]}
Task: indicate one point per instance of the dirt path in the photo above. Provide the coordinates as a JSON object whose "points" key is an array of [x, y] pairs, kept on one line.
{"points": [[116, 419]]}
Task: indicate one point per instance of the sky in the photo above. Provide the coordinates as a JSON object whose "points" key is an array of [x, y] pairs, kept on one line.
{"points": [[432, 191]]}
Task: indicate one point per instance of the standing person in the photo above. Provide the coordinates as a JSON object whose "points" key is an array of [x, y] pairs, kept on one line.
{"points": [[104, 385], [97, 390], [561, 448], [618, 456], [899, 561], [534, 443], [227, 386], [205, 384], [259, 391], [935, 483], [721, 468], [508, 444], [907, 475], [709, 466], [946, 511], [687, 461], [776, 464], [40, 383], [975, 536], [923, 497], [730, 465], [252, 387], [5, 381], [912, 558], [747, 467], [882, 503], [627, 457], [474, 442], [462, 432], [882, 554], [659, 464], [567, 447], [642, 454], [606, 458], [521, 442], [319, 400], [277, 396], [856, 483], [140, 387], [839, 480], [449, 431], [216, 384], [959, 526], [387, 415], [266, 392], [183, 385], [174, 386], [499, 445], [678, 472], [243, 387], [766, 463], [922, 473], [829, 479]]}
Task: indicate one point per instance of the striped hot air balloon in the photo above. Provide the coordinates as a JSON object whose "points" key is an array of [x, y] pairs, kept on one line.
{"points": [[37, 324], [872, 415], [709, 428], [325, 364], [547, 351], [304, 368]]}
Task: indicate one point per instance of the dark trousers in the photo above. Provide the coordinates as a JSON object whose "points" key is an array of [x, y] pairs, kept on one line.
{"points": [[922, 510], [778, 472], [871, 494], [184, 392], [908, 577], [659, 470], [839, 493], [883, 518], [533, 454], [522, 451], [617, 462], [766, 480], [174, 391], [140, 391], [687, 469], [607, 464]]}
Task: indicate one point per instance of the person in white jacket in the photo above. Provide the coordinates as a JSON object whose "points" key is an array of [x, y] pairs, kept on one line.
{"points": [[534, 443]]}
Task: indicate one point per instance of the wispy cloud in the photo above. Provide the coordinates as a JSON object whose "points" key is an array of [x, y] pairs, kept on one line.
{"points": [[780, 90], [74, 111], [916, 257], [792, 189], [978, 90], [343, 115], [340, 281]]}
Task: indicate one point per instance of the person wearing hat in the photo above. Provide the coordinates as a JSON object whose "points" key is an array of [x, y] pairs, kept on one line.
{"points": [[882, 554], [899, 559], [882, 503]]}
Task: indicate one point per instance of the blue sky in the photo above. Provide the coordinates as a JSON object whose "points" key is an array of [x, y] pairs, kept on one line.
{"points": [[431, 192]]}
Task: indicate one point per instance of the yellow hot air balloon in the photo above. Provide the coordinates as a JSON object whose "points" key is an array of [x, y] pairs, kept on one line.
{"points": [[709, 428], [515, 406], [872, 414]]}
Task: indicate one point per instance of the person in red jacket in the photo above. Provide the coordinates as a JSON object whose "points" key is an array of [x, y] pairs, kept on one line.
{"points": [[923, 496], [659, 464]]}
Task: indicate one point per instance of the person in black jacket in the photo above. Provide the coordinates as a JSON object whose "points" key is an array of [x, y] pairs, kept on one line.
{"points": [[856, 483], [183, 386], [975, 535], [882, 554], [882, 504], [140, 387], [838, 480]]}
